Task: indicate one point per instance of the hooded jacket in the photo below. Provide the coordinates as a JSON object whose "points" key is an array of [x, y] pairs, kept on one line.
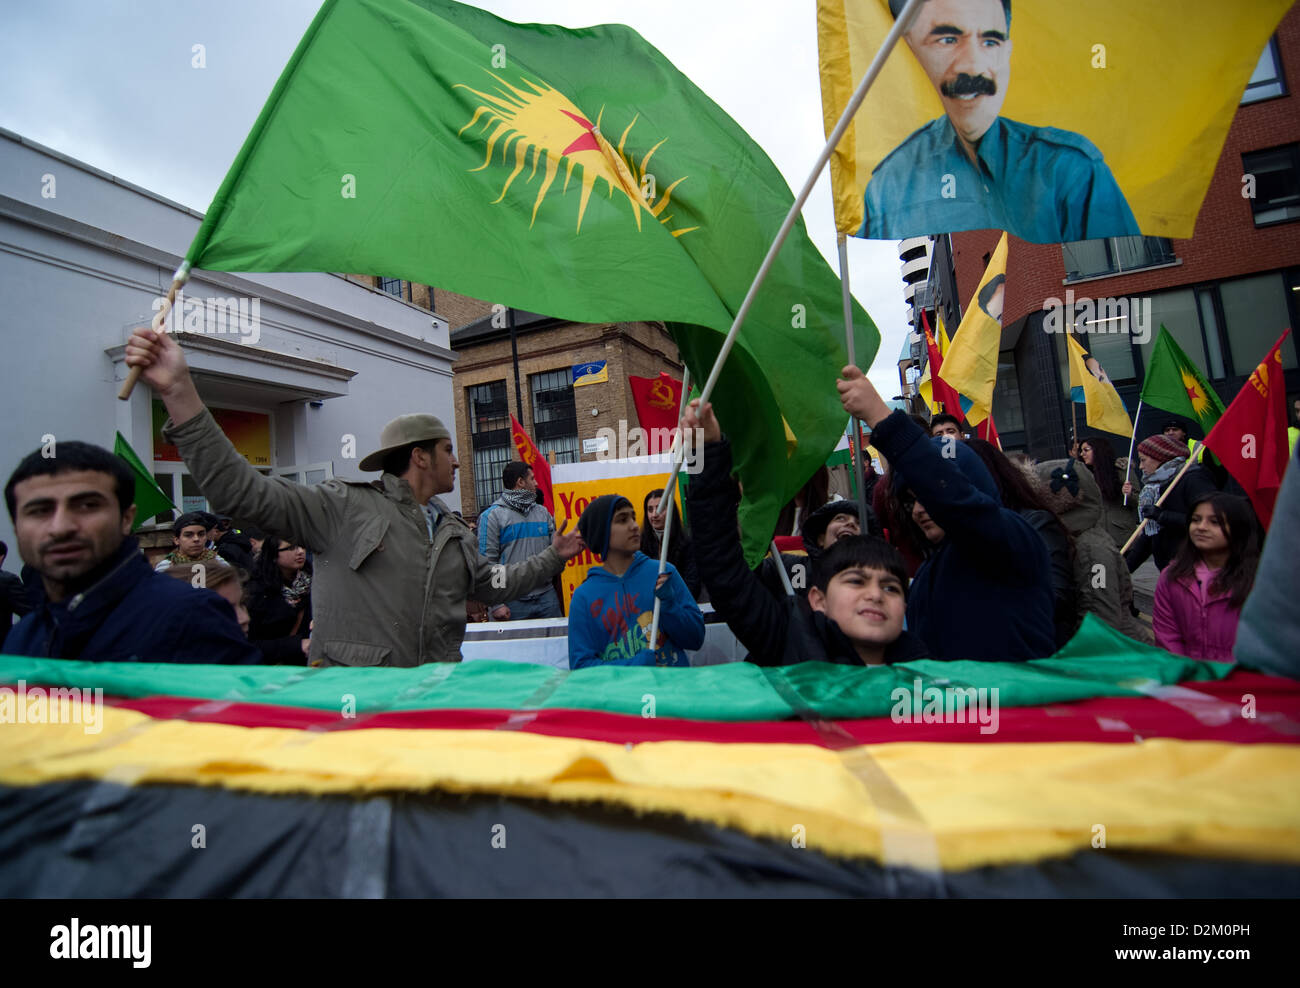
{"points": [[384, 593], [776, 628], [130, 613], [985, 593], [610, 618], [1101, 578]]}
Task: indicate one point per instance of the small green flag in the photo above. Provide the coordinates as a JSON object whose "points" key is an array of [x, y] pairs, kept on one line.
{"points": [[149, 498], [574, 173], [1175, 384]]}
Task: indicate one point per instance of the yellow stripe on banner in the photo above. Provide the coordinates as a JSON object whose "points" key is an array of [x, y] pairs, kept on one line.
{"points": [[984, 804]]}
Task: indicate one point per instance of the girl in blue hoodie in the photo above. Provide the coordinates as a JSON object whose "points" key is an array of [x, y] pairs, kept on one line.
{"points": [[611, 612]]}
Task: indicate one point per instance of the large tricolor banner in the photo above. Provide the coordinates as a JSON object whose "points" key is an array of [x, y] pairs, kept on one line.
{"points": [[1054, 121], [1111, 769]]}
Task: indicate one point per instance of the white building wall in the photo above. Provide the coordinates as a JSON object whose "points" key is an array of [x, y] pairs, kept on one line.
{"points": [[79, 269]]}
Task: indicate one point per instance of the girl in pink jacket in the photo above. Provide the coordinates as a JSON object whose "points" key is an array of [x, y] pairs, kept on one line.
{"points": [[1199, 595]]}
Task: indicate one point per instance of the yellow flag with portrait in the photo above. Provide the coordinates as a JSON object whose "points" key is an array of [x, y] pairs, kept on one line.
{"points": [[1055, 121]]}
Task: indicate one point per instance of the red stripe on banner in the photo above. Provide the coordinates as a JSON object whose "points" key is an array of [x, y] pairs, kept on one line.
{"points": [[1263, 709]]}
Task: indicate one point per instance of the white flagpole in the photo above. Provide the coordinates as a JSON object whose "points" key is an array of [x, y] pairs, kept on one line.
{"points": [[891, 39], [859, 471], [1128, 465], [666, 502]]}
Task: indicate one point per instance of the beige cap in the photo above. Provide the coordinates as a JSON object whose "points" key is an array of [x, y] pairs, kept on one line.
{"points": [[402, 431]]}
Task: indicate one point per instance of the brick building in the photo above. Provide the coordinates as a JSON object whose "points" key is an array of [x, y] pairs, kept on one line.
{"points": [[560, 416], [1225, 294]]}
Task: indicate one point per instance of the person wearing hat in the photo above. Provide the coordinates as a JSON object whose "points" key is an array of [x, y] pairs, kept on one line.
{"points": [[612, 610], [394, 565], [190, 537], [1164, 527], [232, 545]]}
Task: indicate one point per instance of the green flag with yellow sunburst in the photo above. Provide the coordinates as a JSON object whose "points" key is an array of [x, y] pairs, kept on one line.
{"points": [[1175, 384], [574, 173]]}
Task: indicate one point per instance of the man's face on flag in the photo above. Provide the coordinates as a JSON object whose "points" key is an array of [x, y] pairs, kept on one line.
{"points": [[964, 48]]}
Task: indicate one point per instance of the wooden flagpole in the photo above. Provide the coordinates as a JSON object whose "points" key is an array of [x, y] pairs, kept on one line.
{"points": [[179, 279], [1191, 460]]}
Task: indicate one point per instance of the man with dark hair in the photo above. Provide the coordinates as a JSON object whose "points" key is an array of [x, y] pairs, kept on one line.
{"points": [[190, 537], [859, 586], [13, 596], [515, 528], [1175, 431], [944, 424], [94, 596], [972, 169], [394, 565]]}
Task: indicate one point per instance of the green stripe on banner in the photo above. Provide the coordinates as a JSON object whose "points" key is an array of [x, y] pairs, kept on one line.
{"points": [[1097, 662]]}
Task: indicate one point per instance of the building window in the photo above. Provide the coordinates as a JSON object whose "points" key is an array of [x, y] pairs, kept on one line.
{"points": [[393, 286], [1115, 255], [1266, 81], [489, 423], [555, 415], [1255, 313], [1277, 184], [1008, 412]]}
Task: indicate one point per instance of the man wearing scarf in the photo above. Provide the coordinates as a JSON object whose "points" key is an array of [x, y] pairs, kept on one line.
{"points": [[514, 528]]}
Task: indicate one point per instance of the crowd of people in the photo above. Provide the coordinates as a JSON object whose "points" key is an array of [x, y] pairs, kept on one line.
{"points": [[964, 553]]}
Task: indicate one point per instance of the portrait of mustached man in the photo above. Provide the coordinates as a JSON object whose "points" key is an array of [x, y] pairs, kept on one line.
{"points": [[973, 169]]}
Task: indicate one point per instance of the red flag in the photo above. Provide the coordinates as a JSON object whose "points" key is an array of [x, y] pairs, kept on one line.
{"points": [[530, 455], [986, 430], [1250, 437], [657, 401], [939, 388]]}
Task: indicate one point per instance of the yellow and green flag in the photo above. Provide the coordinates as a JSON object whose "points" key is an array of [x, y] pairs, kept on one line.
{"points": [[1106, 409], [1175, 384], [574, 173], [971, 364]]}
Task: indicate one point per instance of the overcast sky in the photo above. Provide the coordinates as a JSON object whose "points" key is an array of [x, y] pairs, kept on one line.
{"points": [[110, 82]]}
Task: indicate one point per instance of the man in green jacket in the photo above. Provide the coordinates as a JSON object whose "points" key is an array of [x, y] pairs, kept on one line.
{"points": [[393, 564]]}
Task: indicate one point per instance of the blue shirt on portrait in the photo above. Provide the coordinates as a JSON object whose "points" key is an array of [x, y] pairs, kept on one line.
{"points": [[1042, 184]]}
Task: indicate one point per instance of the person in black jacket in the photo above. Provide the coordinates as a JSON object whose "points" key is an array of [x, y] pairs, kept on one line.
{"points": [[13, 596], [858, 592], [681, 550], [985, 592], [1021, 494], [233, 545], [94, 596], [1164, 528], [279, 602]]}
